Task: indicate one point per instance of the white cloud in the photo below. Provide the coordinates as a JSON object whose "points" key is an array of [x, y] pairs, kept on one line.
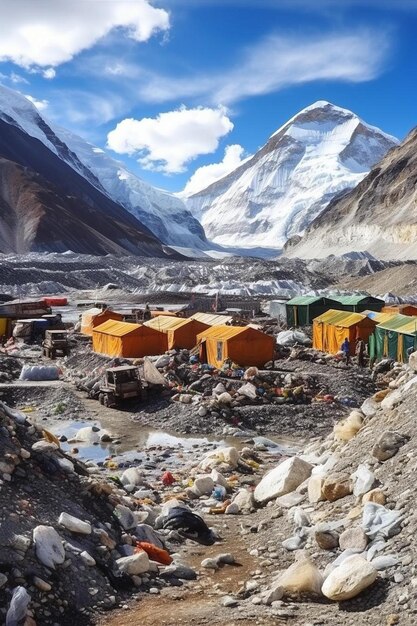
{"points": [[278, 62], [209, 174], [49, 73], [173, 139], [51, 32], [17, 78], [74, 107], [41, 105]]}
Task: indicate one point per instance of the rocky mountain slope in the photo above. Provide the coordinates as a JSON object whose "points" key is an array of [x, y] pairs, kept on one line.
{"points": [[379, 216], [162, 214], [318, 154], [47, 206]]}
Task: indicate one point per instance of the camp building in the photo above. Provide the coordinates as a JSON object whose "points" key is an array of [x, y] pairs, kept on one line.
{"points": [[180, 332], [393, 338], [333, 327], [95, 317], [358, 303], [301, 310], [243, 345], [123, 339]]}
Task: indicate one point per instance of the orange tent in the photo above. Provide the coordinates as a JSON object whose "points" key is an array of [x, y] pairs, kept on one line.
{"points": [[402, 309], [333, 327], [123, 339], [181, 333], [242, 344], [94, 317]]}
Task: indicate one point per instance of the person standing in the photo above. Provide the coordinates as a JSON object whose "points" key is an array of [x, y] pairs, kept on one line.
{"points": [[345, 347], [360, 352]]}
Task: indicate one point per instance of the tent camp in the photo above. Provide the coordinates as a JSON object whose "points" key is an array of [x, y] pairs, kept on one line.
{"points": [[333, 327], [181, 333], [244, 345], [301, 310], [95, 316], [402, 309], [122, 339], [393, 338], [358, 303], [212, 319], [379, 318]]}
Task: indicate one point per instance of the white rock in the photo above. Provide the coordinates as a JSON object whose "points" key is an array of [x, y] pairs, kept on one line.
{"points": [[125, 516], [391, 400], [232, 509], [132, 476], [135, 564], [314, 490], [219, 479], [348, 580], [48, 546], [282, 479], [74, 524], [228, 456], [203, 485], [87, 434], [364, 480], [245, 500], [87, 558]]}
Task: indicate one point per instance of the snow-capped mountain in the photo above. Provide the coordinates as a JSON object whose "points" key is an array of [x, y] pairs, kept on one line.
{"points": [[165, 215], [321, 152]]}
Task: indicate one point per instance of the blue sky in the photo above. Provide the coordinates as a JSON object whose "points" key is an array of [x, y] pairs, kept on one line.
{"points": [[171, 85]]}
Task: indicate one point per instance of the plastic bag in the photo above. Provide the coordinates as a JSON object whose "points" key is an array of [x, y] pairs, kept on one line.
{"points": [[18, 607], [39, 372]]}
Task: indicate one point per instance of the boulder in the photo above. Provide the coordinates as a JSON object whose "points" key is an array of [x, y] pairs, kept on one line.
{"points": [[219, 479], [135, 564], [391, 400], [375, 495], [388, 444], [346, 429], [336, 486], [353, 538], [348, 579], [226, 456], [363, 480], [203, 486], [282, 479], [326, 539], [74, 524], [132, 476], [49, 548], [125, 516], [301, 577], [315, 488], [245, 501]]}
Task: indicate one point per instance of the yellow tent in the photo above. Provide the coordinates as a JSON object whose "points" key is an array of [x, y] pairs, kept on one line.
{"points": [[242, 344], [94, 317], [333, 327], [123, 339], [181, 333], [212, 319]]}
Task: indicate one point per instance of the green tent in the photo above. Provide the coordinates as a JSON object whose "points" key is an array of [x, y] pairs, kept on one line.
{"points": [[358, 303], [393, 338], [301, 310]]}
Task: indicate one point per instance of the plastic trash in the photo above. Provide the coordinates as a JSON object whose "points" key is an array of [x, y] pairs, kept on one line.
{"points": [[40, 372], [289, 338], [364, 480], [378, 520], [248, 390], [219, 493], [18, 607], [192, 526], [154, 553], [167, 479]]}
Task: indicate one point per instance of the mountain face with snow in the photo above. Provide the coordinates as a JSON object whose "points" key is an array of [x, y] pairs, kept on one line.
{"points": [[164, 215], [319, 154], [379, 216]]}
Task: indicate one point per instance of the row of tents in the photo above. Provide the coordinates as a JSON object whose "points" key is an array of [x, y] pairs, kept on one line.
{"points": [[302, 310], [216, 342], [388, 334]]}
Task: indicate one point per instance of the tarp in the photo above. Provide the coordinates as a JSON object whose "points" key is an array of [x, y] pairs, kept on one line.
{"points": [[301, 310], [122, 339], [95, 317], [151, 374], [359, 303], [331, 329], [244, 345], [54, 301], [381, 317], [212, 319], [181, 333]]}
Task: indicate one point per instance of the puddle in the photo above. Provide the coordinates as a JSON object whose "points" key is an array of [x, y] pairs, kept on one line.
{"points": [[150, 444]]}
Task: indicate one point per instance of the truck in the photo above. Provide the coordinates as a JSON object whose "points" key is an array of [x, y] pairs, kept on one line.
{"points": [[55, 344], [119, 384]]}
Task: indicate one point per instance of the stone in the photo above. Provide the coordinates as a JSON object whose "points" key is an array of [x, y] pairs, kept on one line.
{"points": [[336, 487], [135, 564], [353, 538], [219, 479], [294, 543], [202, 411], [346, 429], [232, 509], [315, 489], [74, 524], [327, 539], [177, 570], [363, 479], [225, 559], [45, 447], [290, 499], [41, 584], [301, 577], [87, 558], [391, 400], [210, 564], [244, 500], [388, 445], [125, 516], [227, 456], [49, 548], [412, 361], [229, 601], [273, 595], [375, 495], [203, 486], [283, 479], [349, 579], [3, 580], [132, 476]]}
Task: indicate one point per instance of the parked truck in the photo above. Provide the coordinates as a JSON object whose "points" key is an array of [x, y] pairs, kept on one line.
{"points": [[55, 344], [119, 384]]}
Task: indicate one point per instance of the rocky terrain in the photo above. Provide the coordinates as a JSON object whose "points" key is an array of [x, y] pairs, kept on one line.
{"points": [[378, 216]]}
